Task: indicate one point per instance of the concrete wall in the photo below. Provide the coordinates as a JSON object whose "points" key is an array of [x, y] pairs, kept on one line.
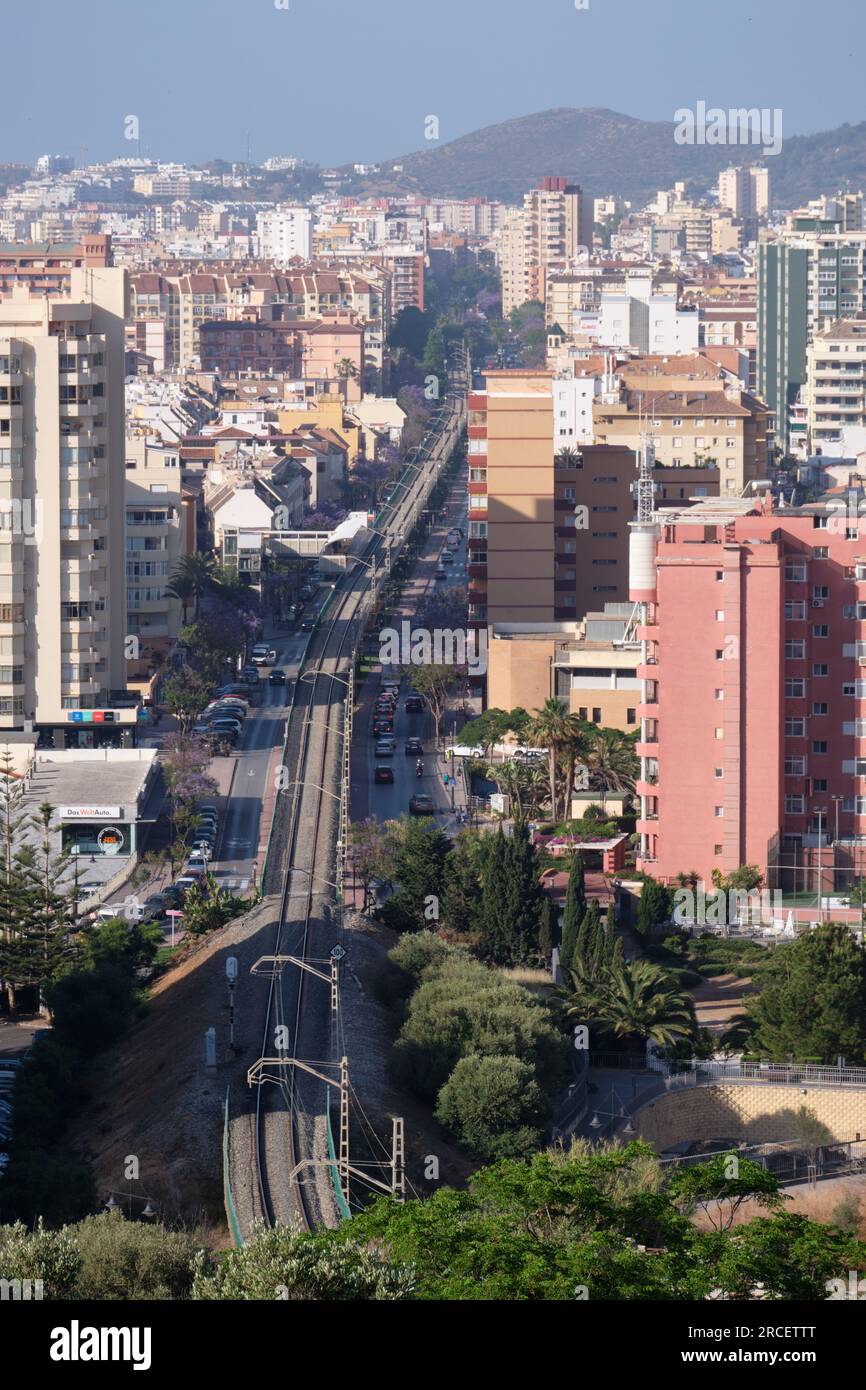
{"points": [[756, 1113]]}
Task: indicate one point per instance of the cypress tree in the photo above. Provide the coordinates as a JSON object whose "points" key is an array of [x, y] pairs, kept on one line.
{"points": [[523, 895], [575, 908], [547, 932], [494, 911]]}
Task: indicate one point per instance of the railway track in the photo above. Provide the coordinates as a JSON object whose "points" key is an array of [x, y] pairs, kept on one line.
{"points": [[290, 1117]]}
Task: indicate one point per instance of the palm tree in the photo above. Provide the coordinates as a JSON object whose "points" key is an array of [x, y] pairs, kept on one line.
{"points": [[636, 1000], [192, 576], [567, 456], [553, 727], [346, 369], [612, 762]]}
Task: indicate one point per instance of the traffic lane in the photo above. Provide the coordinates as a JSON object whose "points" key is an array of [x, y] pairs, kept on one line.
{"points": [[263, 731], [389, 801]]}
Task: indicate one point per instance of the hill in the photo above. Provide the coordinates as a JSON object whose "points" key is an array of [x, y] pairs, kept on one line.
{"points": [[607, 152]]}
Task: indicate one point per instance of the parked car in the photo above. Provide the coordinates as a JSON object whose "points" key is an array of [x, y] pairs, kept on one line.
{"points": [[185, 882], [447, 557], [227, 723], [308, 625], [414, 705], [277, 677], [385, 747], [414, 745], [421, 805], [260, 653], [441, 572], [383, 773]]}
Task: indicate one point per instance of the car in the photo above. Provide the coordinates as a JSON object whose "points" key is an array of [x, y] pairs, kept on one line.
{"points": [[414, 745], [414, 705], [224, 725], [229, 702], [447, 558], [259, 654], [382, 727], [383, 773], [391, 685], [203, 842], [421, 805], [441, 572], [277, 678], [308, 625], [250, 675], [225, 710], [185, 882], [385, 747], [233, 688], [208, 808]]}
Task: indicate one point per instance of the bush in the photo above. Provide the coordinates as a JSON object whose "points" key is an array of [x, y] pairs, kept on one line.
{"points": [[493, 1106], [123, 1259]]}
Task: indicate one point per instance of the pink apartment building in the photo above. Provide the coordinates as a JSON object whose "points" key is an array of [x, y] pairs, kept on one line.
{"points": [[753, 714]]}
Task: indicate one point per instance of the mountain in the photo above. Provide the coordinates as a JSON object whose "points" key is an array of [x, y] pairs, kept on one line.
{"points": [[607, 152]]}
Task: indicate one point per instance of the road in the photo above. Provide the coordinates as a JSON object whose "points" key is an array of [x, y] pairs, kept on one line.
{"points": [[387, 801]]}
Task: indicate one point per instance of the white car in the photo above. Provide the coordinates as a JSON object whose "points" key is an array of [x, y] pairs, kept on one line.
{"points": [[386, 747]]}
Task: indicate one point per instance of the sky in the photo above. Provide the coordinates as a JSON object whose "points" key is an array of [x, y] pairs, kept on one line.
{"points": [[335, 81]]}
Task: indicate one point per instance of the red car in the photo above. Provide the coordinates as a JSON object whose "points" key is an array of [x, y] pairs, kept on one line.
{"points": [[382, 726]]}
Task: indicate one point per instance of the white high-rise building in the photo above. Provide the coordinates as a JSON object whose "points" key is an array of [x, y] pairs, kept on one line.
{"points": [[284, 233]]}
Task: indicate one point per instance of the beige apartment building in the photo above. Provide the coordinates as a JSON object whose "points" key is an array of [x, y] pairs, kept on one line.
{"points": [[160, 530], [835, 388], [591, 666], [555, 222], [691, 425], [62, 582]]}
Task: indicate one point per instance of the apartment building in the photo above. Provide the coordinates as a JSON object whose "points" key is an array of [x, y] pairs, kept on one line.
{"points": [[555, 222], [752, 742], [745, 190], [835, 389], [284, 233], [46, 267], [590, 665], [808, 276], [160, 530], [547, 525], [62, 580], [183, 299], [716, 424]]}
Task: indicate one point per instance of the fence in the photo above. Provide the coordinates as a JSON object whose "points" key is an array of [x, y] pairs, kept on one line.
{"points": [[788, 1162], [228, 1195], [699, 1072]]}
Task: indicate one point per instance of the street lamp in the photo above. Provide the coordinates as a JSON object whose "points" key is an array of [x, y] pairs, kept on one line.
{"points": [[820, 811], [835, 798]]}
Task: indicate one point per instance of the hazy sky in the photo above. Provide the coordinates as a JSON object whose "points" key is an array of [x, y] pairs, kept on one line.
{"points": [[340, 80]]}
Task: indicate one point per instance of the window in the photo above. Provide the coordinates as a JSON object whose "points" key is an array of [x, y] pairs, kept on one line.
{"points": [[719, 734], [795, 767], [821, 552], [794, 805], [720, 694], [719, 812], [720, 654], [631, 716], [795, 610], [720, 574], [820, 707], [819, 745], [795, 573], [596, 714], [718, 772], [717, 849], [720, 615], [820, 630], [819, 784], [795, 650], [820, 668], [795, 689], [795, 728]]}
